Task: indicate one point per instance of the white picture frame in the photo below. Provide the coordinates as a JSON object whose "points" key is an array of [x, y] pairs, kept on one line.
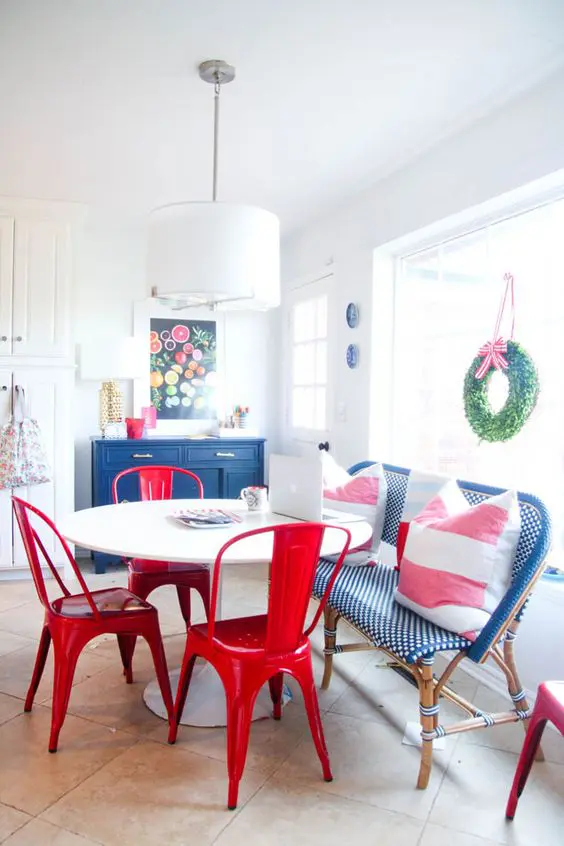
{"points": [[143, 312]]}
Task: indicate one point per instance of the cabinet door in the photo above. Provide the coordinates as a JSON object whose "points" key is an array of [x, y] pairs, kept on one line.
{"points": [[6, 271], [48, 398], [235, 480], [5, 503], [41, 292]]}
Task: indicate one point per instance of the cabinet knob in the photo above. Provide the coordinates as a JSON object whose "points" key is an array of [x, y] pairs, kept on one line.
{"points": [[324, 445]]}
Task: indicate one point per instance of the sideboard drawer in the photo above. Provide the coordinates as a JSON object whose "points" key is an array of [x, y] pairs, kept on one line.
{"points": [[127, 454], [224, 453]]}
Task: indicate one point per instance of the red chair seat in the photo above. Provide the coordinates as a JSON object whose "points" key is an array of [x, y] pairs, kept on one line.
{"points": [[245, 634], [148, 567], [109, 601]]}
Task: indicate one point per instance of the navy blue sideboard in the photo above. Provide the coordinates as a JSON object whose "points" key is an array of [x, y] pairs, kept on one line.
{"points": [[225, 466]]}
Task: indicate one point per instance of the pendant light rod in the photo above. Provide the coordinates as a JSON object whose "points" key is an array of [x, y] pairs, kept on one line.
{"points": [[218, 73]]}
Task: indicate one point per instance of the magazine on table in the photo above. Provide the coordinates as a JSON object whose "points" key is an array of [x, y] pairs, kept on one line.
{"points": [[206, 518]]}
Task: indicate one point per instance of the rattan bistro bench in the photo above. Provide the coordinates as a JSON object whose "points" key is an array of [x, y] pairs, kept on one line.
{"points": [[364, 597]]}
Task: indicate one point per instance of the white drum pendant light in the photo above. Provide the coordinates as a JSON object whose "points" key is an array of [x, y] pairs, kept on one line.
{"points": [[222, 255]]}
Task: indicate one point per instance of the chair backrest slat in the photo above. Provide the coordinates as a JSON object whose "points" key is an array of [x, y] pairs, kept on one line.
{"points": [[156, 481], [532, 549], [295, 555], [33, 546]]}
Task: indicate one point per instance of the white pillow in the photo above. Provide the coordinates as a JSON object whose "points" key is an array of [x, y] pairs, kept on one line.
{"points": [[364, 494], [458, 559]]}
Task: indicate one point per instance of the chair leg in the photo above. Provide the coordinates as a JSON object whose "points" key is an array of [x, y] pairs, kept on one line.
{"points": [[331, 618], [183, 684], [428, 712], [42, 652], [276, 685], [509, 657], [66, 657], [240, 703], [184, 602], [141, 588], [153, 636], [204, 590], [126, 645], [304, 675], [532, 741]]}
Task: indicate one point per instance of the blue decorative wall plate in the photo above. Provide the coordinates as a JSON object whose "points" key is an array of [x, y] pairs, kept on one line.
{"points": [[352, 356], [352, 315]]}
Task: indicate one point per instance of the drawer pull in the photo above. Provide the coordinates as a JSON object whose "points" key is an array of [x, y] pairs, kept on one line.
{"points": [[225, 455], [142, 455]]}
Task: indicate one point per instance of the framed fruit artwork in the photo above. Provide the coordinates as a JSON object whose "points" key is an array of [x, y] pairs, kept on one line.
{"points": [[183, 368]]}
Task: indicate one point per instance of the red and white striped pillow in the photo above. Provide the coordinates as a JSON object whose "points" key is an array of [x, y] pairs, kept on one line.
{"points": [[363, 494], [458, 559], [421, 488]]}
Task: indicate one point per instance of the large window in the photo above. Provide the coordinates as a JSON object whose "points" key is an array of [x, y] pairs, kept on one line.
{"points": [[309, 364], [446, 301]]}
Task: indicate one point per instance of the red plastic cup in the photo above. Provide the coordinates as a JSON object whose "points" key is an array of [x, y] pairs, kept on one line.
{"points": [[135, 426]]}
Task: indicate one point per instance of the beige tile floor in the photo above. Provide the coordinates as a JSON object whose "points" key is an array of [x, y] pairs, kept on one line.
{"points": [[115, 780]]}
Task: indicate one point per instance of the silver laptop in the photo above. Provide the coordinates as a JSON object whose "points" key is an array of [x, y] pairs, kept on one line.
{"points": [[296, 490]]}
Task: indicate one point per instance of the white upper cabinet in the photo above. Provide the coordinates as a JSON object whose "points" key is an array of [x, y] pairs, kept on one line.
{"points": [[6, 283], [41, 289]]}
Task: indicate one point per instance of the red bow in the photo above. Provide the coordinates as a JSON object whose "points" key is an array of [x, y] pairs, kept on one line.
{"points": [[492, 353]]}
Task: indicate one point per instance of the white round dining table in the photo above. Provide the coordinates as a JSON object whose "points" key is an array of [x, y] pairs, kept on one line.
{"points": [[150, 530]]}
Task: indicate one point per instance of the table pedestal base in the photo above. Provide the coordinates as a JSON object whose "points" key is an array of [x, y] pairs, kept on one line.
{"points": [[205, 705]]}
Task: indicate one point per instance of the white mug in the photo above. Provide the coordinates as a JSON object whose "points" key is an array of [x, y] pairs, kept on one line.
{"points": [[255, 497]]}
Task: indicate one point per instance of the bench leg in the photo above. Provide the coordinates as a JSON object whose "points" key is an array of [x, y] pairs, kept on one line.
{"points": [[429, 713], [331, 618], [514, 682]]}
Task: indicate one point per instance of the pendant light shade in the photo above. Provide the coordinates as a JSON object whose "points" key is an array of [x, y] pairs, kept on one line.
{"points": [[223, 255], [220, 254]]}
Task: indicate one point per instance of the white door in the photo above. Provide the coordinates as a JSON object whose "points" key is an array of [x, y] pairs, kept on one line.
{"points": [[6, 274], [5, 502], [48, 398], [309, 400], [41, 292]]}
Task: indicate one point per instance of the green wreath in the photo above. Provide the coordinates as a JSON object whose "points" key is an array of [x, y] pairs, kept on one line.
{"points": [[521, 400]]}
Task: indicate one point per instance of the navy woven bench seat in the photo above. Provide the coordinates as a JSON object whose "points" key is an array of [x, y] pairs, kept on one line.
{"points": [[364, 596]]}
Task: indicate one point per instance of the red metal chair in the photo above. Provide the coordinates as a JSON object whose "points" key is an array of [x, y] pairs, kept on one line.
{"points": [[549, 705], [71, 621], [249, 651], [156, 482]]}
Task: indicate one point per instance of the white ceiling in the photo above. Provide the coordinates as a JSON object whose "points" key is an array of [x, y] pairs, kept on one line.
{"points": [[100, 101]]}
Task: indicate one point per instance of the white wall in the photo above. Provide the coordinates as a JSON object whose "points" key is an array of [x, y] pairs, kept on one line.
{"points": [[518, 144], [110, 278], [521, 143]]}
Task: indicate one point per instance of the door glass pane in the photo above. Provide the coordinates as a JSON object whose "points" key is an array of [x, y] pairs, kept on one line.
{"points": [[321, 318], [319, 414], [321, 362], [304, 321], [304, 364]]}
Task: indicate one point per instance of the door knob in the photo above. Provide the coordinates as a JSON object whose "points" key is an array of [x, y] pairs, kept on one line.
{"points": [[324, 445], [4, 338], [4, 387], [18, 338]]}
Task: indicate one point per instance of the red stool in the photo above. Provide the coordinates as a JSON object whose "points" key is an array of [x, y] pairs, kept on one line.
{"points": [[71, 621], [549, 705], [155, 482], [247, 652]]}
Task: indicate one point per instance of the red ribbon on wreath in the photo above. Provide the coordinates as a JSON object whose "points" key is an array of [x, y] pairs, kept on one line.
{"points": [[493, 351]]}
